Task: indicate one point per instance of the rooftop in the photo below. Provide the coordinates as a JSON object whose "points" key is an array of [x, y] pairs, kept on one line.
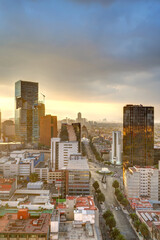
{"points": [[80, 164], [10, 223]]}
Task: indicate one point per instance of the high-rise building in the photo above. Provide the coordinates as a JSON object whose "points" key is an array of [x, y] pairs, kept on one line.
{"points": [[26, 97], [138, 135], [116, 147], [77, 176], [61, 151], [142, 182], [38, 112], [48, 129], [77, 129]]}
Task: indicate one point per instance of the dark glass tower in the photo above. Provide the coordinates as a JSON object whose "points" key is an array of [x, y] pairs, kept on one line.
{"points": [[138, 135], [26, 97]]}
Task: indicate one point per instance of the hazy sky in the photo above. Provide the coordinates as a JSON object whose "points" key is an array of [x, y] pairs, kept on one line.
{"points": [[92, 56]]}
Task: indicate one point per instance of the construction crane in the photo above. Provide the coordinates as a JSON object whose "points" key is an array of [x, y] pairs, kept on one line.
{"points": [[43, 97]]}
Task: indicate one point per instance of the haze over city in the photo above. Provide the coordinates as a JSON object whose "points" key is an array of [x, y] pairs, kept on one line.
{"points": [[88, 56]]}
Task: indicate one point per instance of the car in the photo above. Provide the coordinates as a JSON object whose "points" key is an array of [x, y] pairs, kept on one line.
{"points": [[116, 208]]}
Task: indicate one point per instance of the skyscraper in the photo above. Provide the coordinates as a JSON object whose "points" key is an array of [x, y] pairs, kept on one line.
{"points": [[26, 97], [138, 135], [38, 112], [116, 147], [48, 129]]}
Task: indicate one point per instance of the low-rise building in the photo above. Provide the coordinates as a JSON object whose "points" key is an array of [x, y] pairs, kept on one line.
{"points": [[7, 188], [21, 226]]}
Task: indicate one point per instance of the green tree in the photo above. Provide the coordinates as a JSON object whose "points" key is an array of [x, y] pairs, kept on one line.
{"points": [[144, 230], [134, 217], [111, 222], [98, 191], [101, 197], [120, 237], [96, 185], [117, 191], [115, 184], [33, 177], [120, 197], [124, 202], [115, 233], [137, 224], [107, 214]]}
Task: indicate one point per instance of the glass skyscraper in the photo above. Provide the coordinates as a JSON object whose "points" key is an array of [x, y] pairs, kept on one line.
{"points": [[26, 98], [138, 135]]}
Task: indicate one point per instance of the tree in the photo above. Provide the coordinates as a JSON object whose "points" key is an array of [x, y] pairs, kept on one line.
{"points": [[115, 184], [33, 177], [134, 217], [120, 237], [115, 233], [120, 197], [137, 224], [111, 222], [144, 230], [101, 197], [107, 214], [124, 202], [117, 191], [96, 185], [98, 191]]}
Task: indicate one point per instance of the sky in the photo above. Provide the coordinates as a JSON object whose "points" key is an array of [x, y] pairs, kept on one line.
{"points": [[92, 56]]}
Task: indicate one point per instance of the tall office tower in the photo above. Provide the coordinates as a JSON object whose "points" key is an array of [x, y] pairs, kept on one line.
{"points": [[116, 147], [26, 97], [48, 129], [138, 135], [61, 151], [38, 112]]}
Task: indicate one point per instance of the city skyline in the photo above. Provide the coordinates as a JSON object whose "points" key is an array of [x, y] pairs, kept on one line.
{"points": [[85, 55]]}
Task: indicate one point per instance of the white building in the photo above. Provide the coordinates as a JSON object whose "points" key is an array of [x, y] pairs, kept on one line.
{"points": [[141, 182], [116, 148], [60, 153]]}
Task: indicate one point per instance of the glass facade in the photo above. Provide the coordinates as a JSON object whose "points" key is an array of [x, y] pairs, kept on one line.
{"points": [[26, 97], [138, 135]]}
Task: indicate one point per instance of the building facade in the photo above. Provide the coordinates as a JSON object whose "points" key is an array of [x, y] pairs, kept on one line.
{"points": [[77, 177], [142, 182], [26, 97], [48, 129], [138, 135], [60, 153], [116, 148]]}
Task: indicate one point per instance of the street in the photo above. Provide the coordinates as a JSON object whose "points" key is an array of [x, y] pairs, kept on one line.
{"points": [[122, 222]]}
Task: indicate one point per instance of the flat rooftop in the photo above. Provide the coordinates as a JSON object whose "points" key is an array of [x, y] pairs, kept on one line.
{"points": [[68, 231], [9, 223]]}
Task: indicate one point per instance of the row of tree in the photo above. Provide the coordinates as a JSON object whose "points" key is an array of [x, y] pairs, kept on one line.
{"points": [[100, 195], [140, 227], [94, 150], [111, 223], [119, 195]]}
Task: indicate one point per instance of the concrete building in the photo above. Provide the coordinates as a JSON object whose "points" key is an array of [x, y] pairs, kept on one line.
{"points": [[26, 97], [116, 148], [7, 188], [77, 177], [138, 135], [48, 129], [21, 226], [60, 153], [8, 129], [142, 182]]}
